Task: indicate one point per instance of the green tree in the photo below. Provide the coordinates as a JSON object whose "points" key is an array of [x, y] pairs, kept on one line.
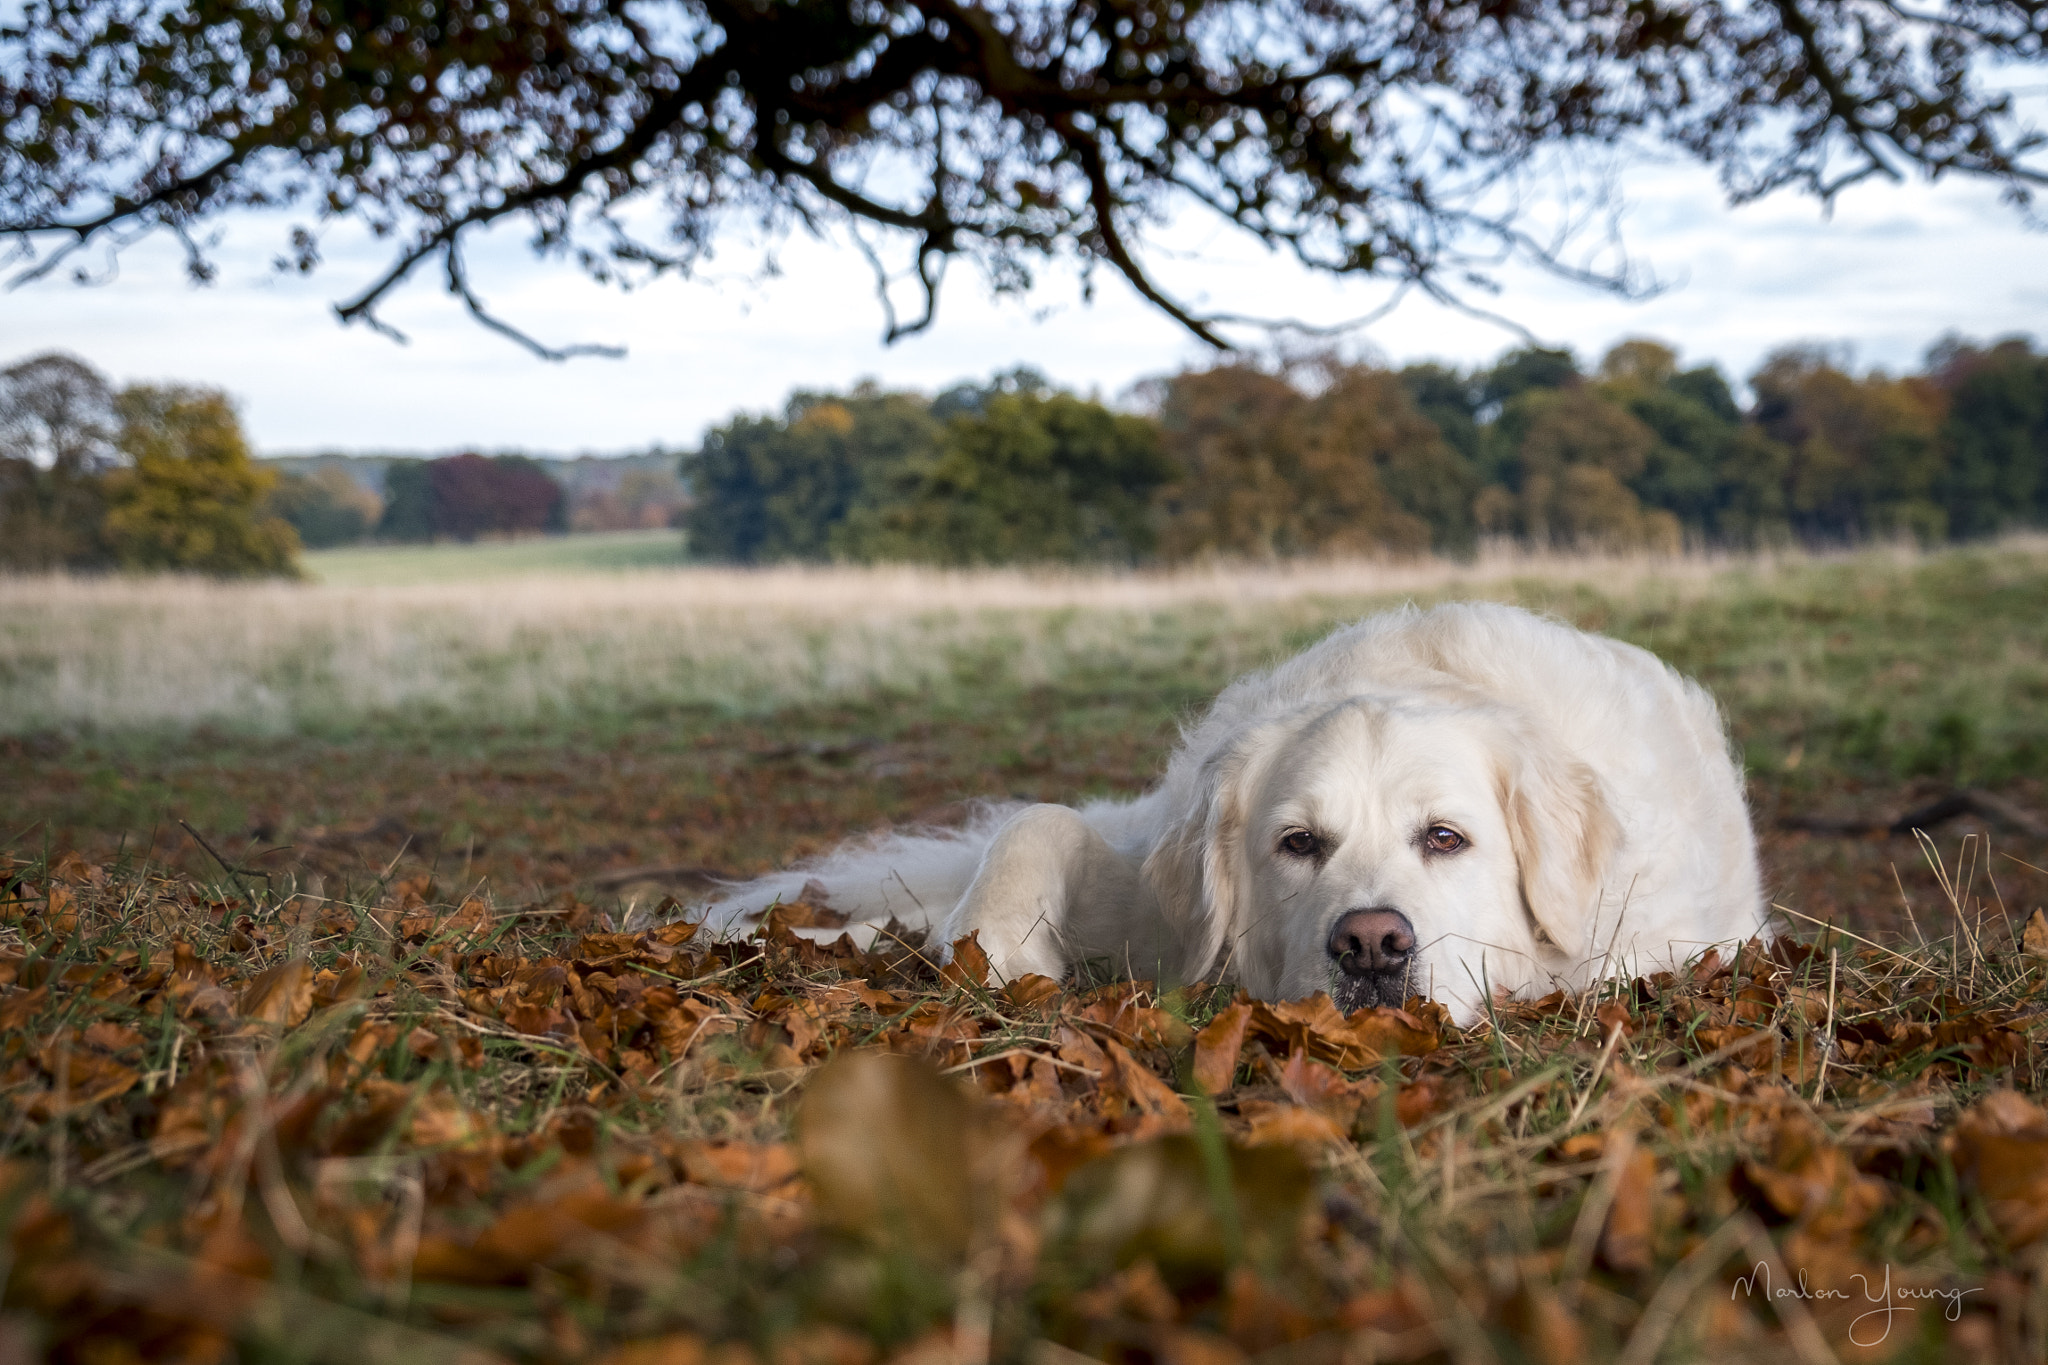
{"points": [[970, 398], [1995, 437], [1694, 419], [191, 498], [1022, 475], [1567, 458], [1452, 401], [1496, 387], [765, 489], [408, 502], [56, 442], [1751, 507], [1531, 367], [1866, 453], [325, 507], [1707, 386]]}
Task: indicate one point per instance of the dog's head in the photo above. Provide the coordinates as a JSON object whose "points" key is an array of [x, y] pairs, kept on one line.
{"points": [[1389, 846]]}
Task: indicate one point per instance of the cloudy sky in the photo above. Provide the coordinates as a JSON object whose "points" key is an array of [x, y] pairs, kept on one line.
{"points": [[1889, 270]]}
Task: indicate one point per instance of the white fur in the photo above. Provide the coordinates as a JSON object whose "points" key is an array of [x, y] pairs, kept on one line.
{"points": [[1605, 825]]}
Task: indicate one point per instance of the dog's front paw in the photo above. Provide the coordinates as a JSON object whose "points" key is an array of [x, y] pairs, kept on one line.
{"points": [[1010, 954]]}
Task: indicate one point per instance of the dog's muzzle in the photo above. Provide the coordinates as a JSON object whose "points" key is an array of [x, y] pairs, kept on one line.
{"points": [[1374, 953]]}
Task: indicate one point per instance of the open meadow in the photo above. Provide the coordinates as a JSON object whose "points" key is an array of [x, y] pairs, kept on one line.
{"points": [[333, 1029]]}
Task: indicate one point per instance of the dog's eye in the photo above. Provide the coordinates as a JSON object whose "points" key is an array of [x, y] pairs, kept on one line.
{"points": [[1443, 839], [1300, 843]]}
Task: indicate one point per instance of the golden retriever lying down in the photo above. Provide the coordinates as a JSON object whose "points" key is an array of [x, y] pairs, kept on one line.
{"points": [[1445, 802]]}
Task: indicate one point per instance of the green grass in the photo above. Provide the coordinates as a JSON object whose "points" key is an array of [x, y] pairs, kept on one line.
{"points": [[1862, 669], [1878, 665], [360, 566]]}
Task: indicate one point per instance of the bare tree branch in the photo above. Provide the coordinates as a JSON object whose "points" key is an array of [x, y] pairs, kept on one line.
{"points": [[458, 285], [1102, 196], [124, 210]]}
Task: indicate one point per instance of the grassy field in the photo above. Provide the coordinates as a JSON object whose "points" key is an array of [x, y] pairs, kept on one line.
{"points": [[544, 732], [370, 566], [318, 1038], [490, 638]]}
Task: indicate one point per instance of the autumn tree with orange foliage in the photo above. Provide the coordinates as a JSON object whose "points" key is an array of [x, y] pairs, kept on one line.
{"points": [[1321, 458]]}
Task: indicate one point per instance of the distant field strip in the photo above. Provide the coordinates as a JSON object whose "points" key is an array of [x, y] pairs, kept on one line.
{"points": [[114, 655], [376, 566]]}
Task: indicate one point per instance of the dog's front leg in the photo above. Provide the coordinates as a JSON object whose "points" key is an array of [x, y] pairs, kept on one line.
{"points": [[1050, 890]]}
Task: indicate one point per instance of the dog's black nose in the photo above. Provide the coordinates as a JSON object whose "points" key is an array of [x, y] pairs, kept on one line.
{"points": [[1373, 942]]}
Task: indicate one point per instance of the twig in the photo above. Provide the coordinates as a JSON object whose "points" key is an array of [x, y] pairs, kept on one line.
{"points": [[2024, 863], [392, 866], [1962, 801], [1907, 901], [458, 285], [1820, 1086], [225, 865]]}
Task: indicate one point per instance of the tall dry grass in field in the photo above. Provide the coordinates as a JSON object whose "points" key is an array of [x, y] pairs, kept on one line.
{"points": [[126, 654]]}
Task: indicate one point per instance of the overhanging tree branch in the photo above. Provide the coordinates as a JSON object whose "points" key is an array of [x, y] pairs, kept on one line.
{"points": [[1364, 137], [458, 285], [1102, 197], [126, 210], [660, 116]]}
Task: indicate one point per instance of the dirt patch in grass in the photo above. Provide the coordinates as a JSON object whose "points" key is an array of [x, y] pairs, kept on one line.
{"points": [[528, 816], [520, 819]]}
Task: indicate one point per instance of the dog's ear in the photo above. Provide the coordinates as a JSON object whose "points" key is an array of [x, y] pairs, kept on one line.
{"points": [[1564, 835], [1196, 870]]}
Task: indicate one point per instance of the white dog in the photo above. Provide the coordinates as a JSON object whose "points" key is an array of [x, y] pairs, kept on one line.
{"points": [[1444, 802]]}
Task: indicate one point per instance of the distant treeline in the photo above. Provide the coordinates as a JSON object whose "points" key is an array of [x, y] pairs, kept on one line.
{"points": [[161, 477], [154, 476], [1241, 460], [338, 499], [1323, 456]]}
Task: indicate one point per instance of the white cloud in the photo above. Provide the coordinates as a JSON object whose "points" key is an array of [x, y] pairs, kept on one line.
{"points": [[1889, 271]]}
